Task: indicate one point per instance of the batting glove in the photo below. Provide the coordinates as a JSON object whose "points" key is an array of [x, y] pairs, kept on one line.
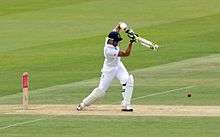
{"points": [[133, 40]]}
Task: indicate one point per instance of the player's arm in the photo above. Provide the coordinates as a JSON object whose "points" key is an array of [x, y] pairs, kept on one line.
{"points": [[126, 52]]}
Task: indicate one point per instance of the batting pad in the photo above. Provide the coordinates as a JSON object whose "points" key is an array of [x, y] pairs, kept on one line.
{"points": [[128, 91]]}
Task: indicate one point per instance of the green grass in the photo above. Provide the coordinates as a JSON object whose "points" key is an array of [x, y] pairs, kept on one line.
{"points": [[60, 43], [93, 126], [202, 73]]}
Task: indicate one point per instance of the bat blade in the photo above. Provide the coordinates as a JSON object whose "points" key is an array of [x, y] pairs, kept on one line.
{"points": [[147, 43]]}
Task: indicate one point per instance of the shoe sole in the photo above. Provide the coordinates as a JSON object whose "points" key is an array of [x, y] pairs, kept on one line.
{"points": [[127, 110]]}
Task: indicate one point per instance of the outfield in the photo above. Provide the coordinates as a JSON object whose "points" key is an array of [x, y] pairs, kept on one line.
{"points": [[60, 43]]}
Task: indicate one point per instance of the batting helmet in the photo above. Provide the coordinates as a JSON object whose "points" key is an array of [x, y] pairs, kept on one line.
{"points": [[115, 36]]}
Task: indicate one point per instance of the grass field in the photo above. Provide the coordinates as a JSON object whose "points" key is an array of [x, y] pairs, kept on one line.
{"points": [[93, 126], [60, 43]]}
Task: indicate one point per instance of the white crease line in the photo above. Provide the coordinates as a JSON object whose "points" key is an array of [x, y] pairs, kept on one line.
{"points": [[22, 123], [164, 92]]}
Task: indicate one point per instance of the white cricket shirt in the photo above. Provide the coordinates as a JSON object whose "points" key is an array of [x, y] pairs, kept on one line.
{"points": [[112, 60]]}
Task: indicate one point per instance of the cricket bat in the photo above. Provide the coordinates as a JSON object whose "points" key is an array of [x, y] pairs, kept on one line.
{"points": [[144, 42], [147, 43]]}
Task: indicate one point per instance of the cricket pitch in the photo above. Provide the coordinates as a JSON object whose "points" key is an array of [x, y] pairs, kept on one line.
{"points": [[113, 110]]}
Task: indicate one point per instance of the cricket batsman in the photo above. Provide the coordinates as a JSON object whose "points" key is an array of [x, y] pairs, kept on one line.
{"points": [[113, 67]]}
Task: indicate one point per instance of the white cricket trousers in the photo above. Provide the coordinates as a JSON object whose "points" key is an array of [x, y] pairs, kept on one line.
{"points": [[120, 72]]}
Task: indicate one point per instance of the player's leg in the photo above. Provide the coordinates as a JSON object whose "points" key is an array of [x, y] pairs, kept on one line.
{"points": [[127, 82], [122, 75], [99, 91], [126, 102]]}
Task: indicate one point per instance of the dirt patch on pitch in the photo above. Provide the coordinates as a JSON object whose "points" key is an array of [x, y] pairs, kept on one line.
{"points": [[113, 110]]}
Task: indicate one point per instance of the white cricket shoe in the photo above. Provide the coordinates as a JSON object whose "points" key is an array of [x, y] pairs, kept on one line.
{"points": [[127, 108], [80, 107]]}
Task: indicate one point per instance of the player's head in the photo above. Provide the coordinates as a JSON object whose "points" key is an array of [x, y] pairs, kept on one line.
{"points": [[114, 38]]}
